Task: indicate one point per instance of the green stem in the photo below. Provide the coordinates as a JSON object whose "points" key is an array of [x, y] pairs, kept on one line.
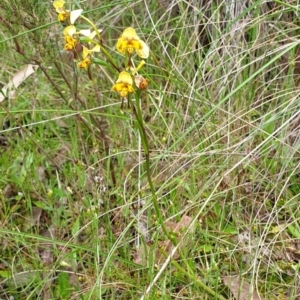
{"points": [[198, 282], [108, 56], [139, 118], [92, 25]]}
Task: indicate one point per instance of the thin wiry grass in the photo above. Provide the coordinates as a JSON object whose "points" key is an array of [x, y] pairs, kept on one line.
{"points": [[221, 116]]}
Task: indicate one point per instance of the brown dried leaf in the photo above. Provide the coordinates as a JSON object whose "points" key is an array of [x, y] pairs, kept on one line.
{"points": [[240, 289], [33, 219], [18, 78], [179, 226], [174, 227]]}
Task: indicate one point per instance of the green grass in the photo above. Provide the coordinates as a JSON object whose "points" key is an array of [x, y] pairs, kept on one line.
{"points": [[221, 115]]}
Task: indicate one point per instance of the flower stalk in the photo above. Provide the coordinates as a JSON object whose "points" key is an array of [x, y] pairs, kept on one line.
{"points": [[139, 118], [83, 44]]}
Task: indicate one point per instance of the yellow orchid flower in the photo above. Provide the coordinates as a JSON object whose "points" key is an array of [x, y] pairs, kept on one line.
{"points": [[64, 14], [84, 64], [86, 56], [88, 52], [69, 30], [71, 42], [123, 85], [129, 41], [90, 34], [59, 5], [62, 17]]}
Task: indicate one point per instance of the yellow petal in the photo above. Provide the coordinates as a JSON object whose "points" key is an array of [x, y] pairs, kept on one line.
{"points": [[129, 33], [69, 30], [121, 47], [123, 89], [143, 51], [85, 52], [70, 43], [58, 4], [124, 84], [96, 49], [69, 47], [130, 89], [84, 64], [125, 77], [60, 10], [129, 41], [63, 16], [94, 33], [89, 33], [85, 32], [74, 15], [135, 70]]}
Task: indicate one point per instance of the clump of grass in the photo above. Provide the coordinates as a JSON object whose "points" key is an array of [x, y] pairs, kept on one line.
{"points": [[221, 117]]}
